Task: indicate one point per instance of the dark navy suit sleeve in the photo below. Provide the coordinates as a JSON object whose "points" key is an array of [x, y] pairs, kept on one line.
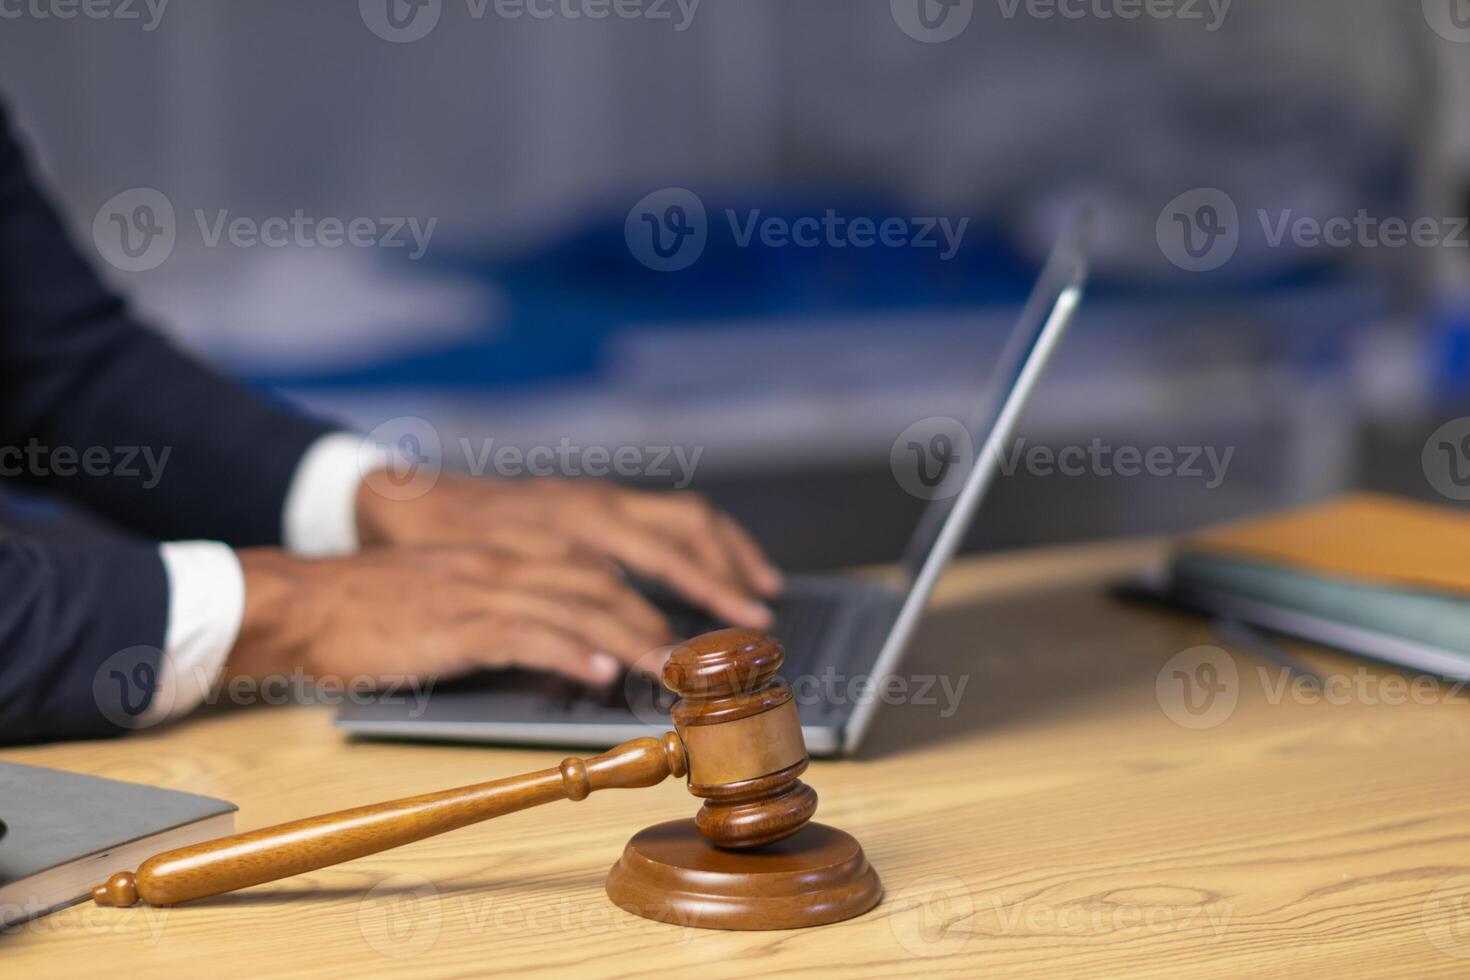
{"points": [[77, 373], [81, 627]]}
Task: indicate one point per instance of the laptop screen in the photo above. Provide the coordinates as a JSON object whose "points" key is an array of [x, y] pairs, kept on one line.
{"points": [[958, 448]]}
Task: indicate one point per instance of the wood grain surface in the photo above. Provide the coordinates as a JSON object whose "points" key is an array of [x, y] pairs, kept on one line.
{"points": [[1070, 814]]}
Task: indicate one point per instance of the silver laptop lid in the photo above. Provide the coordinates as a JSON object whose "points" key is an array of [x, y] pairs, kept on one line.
{"points": [[1043, 321]]}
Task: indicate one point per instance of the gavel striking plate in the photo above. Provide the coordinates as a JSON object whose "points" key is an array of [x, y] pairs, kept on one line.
{"points": [[750, 859]]}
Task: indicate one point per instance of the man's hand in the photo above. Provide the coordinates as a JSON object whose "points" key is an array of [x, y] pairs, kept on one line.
{"points": [[441, 611], [677, 539]]}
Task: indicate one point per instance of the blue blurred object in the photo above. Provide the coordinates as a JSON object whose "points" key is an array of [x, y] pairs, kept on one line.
{"points": [[565, 300], [1449, 340]]}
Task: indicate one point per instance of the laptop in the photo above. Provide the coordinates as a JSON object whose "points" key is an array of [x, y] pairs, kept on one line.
{"points": [[835, 629]]}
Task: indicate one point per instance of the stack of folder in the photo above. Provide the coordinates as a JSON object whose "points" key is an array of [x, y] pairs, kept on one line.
{"points": [[1373, 575]]}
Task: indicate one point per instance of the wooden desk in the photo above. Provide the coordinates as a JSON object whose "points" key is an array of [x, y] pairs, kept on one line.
{"points": [[1059, 823]]}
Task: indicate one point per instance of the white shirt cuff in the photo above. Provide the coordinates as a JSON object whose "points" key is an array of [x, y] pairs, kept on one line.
{"points": [[206, 604], [320, 518]]}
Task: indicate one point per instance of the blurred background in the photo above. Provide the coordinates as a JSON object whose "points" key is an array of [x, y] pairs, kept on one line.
{"points": [[502, 159]]}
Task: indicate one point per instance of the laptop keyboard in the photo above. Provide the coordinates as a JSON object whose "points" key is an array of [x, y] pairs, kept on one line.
{"points": [[801, 623]]}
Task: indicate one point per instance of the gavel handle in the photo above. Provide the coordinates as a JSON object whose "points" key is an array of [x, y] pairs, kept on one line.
{"points": [[258, 856]]}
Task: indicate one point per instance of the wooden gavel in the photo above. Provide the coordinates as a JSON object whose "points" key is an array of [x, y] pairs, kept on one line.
{"points": [[737, 737]]}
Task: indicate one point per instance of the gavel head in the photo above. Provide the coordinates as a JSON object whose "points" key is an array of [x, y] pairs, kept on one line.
{"points": [[741, 736]]}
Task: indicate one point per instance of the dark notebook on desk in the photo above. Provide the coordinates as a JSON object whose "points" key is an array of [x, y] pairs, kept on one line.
{"points": [[66, 832]]}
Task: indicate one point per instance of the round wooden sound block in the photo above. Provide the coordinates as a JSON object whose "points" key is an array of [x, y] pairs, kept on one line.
{"points": [[671, 873]]}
